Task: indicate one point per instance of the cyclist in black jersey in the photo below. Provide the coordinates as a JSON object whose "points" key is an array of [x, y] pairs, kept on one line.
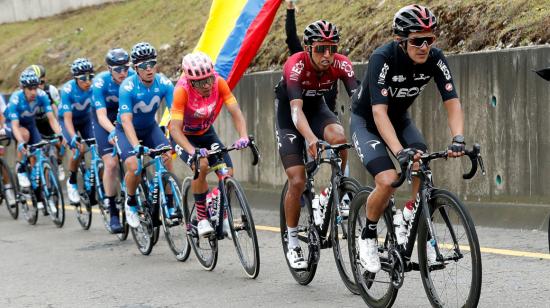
{"points": [[397, 73]]}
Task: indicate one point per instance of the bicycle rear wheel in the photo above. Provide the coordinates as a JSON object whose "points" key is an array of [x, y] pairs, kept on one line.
{"points": [[53, 199], [242, 227], [455, 280], [125, 227], [27, 200], [349, 187], [307, 234], [376, 289], [175, 229], [206, 249], [83, 209], [105, 213], [8, 187], [144, 234]]}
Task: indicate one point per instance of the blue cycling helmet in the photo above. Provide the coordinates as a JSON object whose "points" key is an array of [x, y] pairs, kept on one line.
{"points": [[117, 57], [29, 78], [82, 66], [142, 52]]}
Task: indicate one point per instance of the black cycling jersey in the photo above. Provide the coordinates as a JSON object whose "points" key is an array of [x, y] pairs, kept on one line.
{"points": [[393, 79]]}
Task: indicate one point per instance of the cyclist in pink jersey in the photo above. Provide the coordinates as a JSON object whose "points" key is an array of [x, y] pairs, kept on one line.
{"points": [[198, 98]]}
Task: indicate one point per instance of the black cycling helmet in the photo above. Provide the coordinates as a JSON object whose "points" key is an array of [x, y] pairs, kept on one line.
{"points": [[321, 31], [38, 69], [117, 57], [29, 78], [142, 52], [82, 66], [413, 18]]}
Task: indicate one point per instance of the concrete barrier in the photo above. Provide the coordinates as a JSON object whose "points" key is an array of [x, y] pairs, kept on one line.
{"points": [[507, 109], [20, 10]]}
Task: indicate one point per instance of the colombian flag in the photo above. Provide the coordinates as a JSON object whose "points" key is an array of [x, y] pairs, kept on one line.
{"points": [[233, 34]]}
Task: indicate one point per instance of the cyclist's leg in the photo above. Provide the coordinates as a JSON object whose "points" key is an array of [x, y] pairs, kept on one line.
{"points": [[21, 174], [86, 131], [110, 164], [210, 140], [153, 138], [73, 163], [411, 137], [326, 125], [125, 150]]}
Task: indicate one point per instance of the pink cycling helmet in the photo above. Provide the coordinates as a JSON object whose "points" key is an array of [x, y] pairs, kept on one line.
{"points": [[197, 65]]}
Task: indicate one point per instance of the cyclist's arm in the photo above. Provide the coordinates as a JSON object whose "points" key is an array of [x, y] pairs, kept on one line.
{"points": [[129, 129], [238, 118], [292, 40], [300, 121], [455, 116], [176, 132], [53, 123], [68, 121], [16, 132], [385, 127], [104, 120]]}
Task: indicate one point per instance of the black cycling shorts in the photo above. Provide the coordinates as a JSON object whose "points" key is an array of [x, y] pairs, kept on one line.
{"points": [[371, 148], [289, 141]]}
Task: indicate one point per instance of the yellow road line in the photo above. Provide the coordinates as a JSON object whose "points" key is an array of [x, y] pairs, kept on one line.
{"points": [[494, 251]]}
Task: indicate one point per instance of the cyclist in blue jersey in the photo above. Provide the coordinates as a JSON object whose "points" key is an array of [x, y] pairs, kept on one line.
{"points": [[105, 94], [21, 112], [75, 118], [139, 98]]}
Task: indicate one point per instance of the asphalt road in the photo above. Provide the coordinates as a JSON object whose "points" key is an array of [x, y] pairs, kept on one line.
{"points": [[43, 266]]}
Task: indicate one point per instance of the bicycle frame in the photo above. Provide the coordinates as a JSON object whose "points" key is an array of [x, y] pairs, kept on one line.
{"points": [[37, 175]]}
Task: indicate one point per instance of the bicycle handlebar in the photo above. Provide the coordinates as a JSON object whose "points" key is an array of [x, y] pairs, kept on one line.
{"points": [[150, 153], [474, 155], [252, 145], [323, 146]]}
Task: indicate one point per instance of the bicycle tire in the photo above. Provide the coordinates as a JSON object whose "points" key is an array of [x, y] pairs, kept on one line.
{"points": [[303, 277], [205, 249], [83, 209], [374, 295], [443, 202], [125, 227], [105, 213], [339, 226], [55, 195], [143, 235], [30, 211], [175, 230], [14, 208], [242, 221]]}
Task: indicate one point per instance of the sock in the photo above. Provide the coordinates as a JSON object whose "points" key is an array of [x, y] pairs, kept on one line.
{"points": [[20, 168], [113, 210], [369, 231], [292, 237], [132, 200], [72, 177], [200, 204]]}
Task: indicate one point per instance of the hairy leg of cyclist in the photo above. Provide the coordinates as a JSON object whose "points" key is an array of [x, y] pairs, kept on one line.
{"points": [[296, 185], [58, 154], [72, 187], [334, 134], [132, 181], [376, 204], [110, 177], [21, 174], [200, 190]]}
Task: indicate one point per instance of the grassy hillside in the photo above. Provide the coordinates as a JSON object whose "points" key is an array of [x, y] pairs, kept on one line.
{"points": [[174, 27]]}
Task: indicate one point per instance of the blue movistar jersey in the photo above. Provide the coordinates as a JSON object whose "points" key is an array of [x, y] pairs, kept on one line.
{"points": [[106, 90], [142, 101], [75, 100], [20, 109]]}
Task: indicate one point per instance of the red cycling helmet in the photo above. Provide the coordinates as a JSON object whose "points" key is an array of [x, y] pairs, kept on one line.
{"points": [[321, 31]]}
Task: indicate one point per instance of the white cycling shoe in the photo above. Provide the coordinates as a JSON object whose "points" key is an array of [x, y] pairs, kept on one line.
{"points": [[204, 228], [368, 255], [23, 180], [295, 258], [132, 215], [72, 191]]}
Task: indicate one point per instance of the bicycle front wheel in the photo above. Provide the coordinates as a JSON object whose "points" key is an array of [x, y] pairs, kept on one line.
{"points": [[307, 234], [376, 289], [205, 248], [83, 209], [27, 200], [242, 227], [454, 280], [175, 229], [144, 234], [349, 187], [53, 196], [9, 190]]}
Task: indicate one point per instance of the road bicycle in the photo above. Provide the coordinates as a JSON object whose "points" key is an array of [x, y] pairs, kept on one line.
{"points": [[232, 201], [449, 259], [333, 230], [8, 186]]}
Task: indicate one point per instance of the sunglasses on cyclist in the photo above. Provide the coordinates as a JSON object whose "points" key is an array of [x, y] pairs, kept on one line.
{"points": [[147, 64], [121, 68], [418, 42], [42, 81], [85, 77], [31, 88], [199, 84], [323, 48]]}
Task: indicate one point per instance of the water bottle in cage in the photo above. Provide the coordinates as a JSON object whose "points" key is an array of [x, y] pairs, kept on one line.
{"points": [[212, 204]]}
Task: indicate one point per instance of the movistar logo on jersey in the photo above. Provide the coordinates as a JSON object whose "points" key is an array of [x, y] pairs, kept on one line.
{"points": [[111, 99], [31, 112], [83, 106], [146, 108]]}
